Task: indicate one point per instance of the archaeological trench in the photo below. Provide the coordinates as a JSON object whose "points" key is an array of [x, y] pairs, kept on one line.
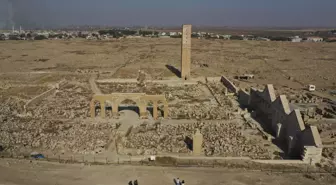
{"points": [[137, 117]]}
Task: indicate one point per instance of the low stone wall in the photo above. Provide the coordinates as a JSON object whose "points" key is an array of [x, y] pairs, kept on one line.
{"points": [[280, 161], [169, 82], [245, 163], [229, 85], [45, 94]]}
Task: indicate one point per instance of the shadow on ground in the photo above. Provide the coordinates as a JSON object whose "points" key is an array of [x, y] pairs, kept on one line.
{"points": [[174, 70]]}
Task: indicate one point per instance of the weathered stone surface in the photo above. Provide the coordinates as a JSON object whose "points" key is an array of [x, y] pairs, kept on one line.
{"points": [[220, 139], [186, 52], [27, 134]]}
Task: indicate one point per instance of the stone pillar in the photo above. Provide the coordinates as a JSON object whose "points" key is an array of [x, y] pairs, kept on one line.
{"points": [[102, 109], [278, 130], [115, 107], [155, 110], [143, 111], [186, 52], [92, 108], [165, 110], [197, 143]]}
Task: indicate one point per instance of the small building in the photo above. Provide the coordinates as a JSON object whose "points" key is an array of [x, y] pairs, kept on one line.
{"points": [[172, 33], [314, 39], [296, 39], [226, 37], [311, 87]]}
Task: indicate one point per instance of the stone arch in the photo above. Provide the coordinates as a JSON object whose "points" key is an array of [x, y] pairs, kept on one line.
{"points": [[94, 105], [108, 108], [97, 103], [163, 104], [132, 104]]}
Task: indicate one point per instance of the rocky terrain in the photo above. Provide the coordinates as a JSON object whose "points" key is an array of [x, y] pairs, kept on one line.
{"points": [[22, 135], [60, 121], [75, 105], [223, 138]]}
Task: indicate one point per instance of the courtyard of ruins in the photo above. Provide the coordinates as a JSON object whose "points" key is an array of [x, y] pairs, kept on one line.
{"points": [[47, 91]]}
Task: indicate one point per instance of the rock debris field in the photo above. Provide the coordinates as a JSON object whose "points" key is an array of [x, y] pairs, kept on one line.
{"points": [[224, 138]]}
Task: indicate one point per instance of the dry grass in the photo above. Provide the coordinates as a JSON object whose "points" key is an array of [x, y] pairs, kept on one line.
{"points": [[272, 62]]}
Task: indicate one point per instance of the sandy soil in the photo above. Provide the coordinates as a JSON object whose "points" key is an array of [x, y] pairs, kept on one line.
{"points": [[28, 67], [270, 62], [15, 172]]}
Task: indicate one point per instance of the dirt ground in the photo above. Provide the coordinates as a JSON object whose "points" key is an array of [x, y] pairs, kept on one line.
{"points": [[270, 62], [14, 172], [28, 68]]}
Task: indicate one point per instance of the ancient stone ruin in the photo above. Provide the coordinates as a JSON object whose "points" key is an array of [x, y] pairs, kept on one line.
{"points": [[186, 52], [115, 99], [186, 117], [286, 124]]}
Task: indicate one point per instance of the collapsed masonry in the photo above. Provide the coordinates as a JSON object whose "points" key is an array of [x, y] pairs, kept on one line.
{"points": [[287, 125]]}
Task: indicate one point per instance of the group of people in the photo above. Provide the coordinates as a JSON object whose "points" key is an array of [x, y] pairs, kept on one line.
{"points": [[178, 182], [133, 183]]}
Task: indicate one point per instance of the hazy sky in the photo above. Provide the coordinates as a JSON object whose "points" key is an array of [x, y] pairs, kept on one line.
{"points": [[175, 12]]}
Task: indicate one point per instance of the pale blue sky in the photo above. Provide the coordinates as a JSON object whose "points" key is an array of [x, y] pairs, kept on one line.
{"points": [[307, 13]]}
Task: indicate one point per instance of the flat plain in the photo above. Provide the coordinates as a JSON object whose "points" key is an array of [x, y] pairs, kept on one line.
{"points": [[270, 62], [29, 68]]}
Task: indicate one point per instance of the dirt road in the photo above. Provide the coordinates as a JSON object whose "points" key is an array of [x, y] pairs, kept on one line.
{"points": [[14, 172]]}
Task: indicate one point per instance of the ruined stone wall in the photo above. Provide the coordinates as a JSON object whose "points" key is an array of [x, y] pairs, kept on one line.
{"points": [[229, 85], [312, 154], [279, 111], [244, 98], [287, 125], [298, 126]]}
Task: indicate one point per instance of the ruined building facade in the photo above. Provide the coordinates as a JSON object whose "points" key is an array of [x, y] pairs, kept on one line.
{"points": [[286, 124]]}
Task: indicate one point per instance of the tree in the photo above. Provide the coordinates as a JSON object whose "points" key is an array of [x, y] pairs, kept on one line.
{"points": [[236, 37], [279, 39]]}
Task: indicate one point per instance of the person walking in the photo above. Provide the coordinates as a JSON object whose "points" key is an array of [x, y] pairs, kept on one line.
{"points": [[135, 182], [178, 181], [182, 183]]}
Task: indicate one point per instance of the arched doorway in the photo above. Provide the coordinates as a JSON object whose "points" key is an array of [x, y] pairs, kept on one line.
{"points": [[128, 104], [108, 108], [95, 108], [150, 106], [162, 108]]}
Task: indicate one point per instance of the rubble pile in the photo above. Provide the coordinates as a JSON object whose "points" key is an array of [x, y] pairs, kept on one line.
{"points": [[220, 139], [19, 135], [70, 101], [200, 112], [10, 106], [330, 153], [219, 91]]}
